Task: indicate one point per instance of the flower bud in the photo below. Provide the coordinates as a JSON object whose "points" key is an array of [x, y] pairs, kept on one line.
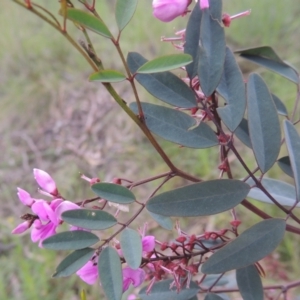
{"points": [[21, 228], [25, 197], [45, 181], [168, 10], [204, 4]]}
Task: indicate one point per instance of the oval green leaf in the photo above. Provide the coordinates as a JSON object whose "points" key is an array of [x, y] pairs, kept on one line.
{"points": [[88, 21], [165, 63], [113, 192], [161, 291], [284, 193], [251, 246], [107, 76], [268, 58], [124, 12], [73, 262], [165, 85], [285, 165], [263, 123], [249, 283], [200, 199], [163, 221], [70, 240], [211, 296], [211, 53], [293, 145], [110, 273], [89, 219], [174, 126], [242, 133], [131, 245], [192, 36], [232, 89]]}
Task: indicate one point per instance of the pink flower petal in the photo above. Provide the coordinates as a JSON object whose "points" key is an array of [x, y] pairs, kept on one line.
{"points": [[25, 197], [204, 4], [44, 211], [134, 277], [64, 206], [88, 273], [167, 10], [21, 228], [45, 181], [41, 232], [148, 243]]}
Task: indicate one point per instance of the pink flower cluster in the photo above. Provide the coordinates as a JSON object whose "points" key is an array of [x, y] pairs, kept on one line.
{"points": [[46, 215], [168, 10], [89, 272]]}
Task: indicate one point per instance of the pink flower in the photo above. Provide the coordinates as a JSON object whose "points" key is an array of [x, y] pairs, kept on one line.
{"points": [[204, 4], [148, 243], [25, 197], [45, 181], [167, 10], [88, 273], [21, 228], [134, 277], [40, 232]]}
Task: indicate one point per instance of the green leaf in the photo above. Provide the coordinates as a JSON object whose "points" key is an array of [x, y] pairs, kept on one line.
{"points": [[165, 85], [293, 145], [209, 280], [249, 247], [192, 36], [211, 296], [232, 89], [88, 21], [131, 245], [163, 221], [268, 58], [70, 240], [249, 283], [113, 192], [161, 291], [110, 272], [263, 123], [175, 126], [285, 165], [281, 109], [242, 133], [165, 63], [200, 199], [216, 10], [89, 219], [73, 262], [125, 10], [283, 192], [211, 54], [107, 76]]}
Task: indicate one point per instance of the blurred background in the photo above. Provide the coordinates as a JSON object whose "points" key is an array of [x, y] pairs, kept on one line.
{"points": [[53, 119]]}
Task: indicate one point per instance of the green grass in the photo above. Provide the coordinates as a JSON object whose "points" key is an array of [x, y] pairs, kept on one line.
{"points": [[43, 79]]}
